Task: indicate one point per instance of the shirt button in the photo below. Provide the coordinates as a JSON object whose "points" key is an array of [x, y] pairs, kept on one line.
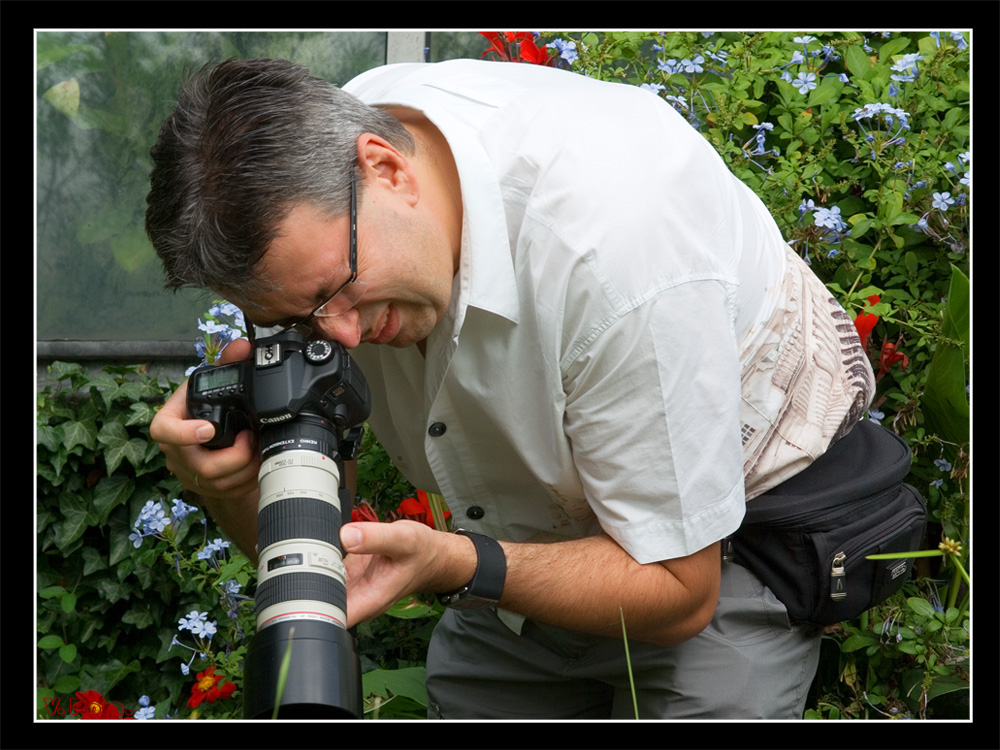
{"points": [[437, 429], [475, 512]]}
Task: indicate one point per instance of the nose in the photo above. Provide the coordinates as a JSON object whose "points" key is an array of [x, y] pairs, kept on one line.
{"points": [[345, 328]]}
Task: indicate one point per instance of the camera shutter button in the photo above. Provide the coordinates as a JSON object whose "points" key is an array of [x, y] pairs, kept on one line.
{"points": [[318, 352]]}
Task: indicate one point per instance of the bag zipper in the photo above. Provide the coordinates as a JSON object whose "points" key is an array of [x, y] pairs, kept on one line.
{"points": [[838, 565]]}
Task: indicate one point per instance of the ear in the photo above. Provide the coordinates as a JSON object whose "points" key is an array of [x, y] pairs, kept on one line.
{"points": [[381, 165]]}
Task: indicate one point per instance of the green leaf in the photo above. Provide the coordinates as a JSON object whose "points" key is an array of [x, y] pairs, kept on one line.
{"points": [[118, 446], [75, 519], [65, 97], [407, 682], [858, 641], [945, 403], [68, 603], [79, 433], [68, 683], [857, 61], [68, 653], [50, 642], [822, 94], [893, 46], [921, 606], [109, 493]]}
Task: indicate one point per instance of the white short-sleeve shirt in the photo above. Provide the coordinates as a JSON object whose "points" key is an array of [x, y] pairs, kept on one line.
{"points": [[587, 375]]}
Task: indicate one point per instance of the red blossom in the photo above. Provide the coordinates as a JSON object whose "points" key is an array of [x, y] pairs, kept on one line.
{"points": [[865, 322], [889, 356], [517, 46], [363, 511], [91, 705], [419, 509], [206, 688]]}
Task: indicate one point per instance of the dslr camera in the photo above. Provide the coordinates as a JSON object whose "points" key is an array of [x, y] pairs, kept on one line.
{"points": [[306, 401]]}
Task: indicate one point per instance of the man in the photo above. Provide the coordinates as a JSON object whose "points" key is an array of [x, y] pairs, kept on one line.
{"points": [[577, 326]]}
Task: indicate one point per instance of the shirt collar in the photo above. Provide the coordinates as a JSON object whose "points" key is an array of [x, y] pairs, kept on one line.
{"points": [[486, 278]]}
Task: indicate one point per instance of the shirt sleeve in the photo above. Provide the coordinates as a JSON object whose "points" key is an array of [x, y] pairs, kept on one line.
{"points": [[652, 410]]}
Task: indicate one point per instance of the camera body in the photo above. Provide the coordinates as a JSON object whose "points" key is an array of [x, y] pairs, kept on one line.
{"points": [[285, 376], [306, 401]]}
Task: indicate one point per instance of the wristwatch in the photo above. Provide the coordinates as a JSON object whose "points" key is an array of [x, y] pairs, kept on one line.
{"points": [[486, 586]]}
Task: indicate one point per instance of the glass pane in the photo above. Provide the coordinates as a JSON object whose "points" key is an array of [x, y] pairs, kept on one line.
{"points": [[101, 100], [453, 45]]}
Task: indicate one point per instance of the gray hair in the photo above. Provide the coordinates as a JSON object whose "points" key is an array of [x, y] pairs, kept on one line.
{"points": [[247, 141]]}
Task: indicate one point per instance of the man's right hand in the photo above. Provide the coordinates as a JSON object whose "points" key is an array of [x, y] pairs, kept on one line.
{"points": [[225, 479]]}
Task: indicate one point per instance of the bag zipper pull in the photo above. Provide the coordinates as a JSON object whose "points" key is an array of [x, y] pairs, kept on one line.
{"points": [[838, 579]]}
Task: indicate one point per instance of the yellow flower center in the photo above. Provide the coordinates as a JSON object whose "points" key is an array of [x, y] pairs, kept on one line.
{"points": [[206, 683], [94, 708]]}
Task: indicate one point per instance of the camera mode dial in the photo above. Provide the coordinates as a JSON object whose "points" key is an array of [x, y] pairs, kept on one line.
{"points": [[318, 352]]}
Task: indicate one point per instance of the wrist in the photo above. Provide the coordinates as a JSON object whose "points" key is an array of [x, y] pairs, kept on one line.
{"points": [[483, 586]]}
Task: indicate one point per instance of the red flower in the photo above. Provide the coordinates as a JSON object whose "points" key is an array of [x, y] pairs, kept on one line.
{"points": [[888, 357], [419, 509], [517, 46], [865, 322], [93, 706], [206, 688], [363, 511]]}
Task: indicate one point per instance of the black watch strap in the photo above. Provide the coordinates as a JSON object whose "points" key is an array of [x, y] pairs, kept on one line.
{"points": [[486, 586]]}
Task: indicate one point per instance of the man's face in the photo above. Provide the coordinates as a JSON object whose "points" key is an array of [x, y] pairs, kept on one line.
{"points": [[405, 266]]}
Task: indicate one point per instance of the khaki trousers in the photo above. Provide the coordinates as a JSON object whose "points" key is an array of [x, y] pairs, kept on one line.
{"points": [[749, 663]]}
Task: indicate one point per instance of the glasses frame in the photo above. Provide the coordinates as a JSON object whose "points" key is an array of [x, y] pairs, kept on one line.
{"points": [[353, 260]]}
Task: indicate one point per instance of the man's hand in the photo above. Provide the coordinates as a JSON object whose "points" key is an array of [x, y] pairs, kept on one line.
{"points": [[226, 479], [388, 561]]}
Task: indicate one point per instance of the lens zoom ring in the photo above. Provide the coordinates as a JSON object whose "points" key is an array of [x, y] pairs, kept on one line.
{"points": [[298, 518], [298, 587]]}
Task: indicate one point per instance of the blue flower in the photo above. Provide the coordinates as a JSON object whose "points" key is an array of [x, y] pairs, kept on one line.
{"points": [[194, 619], [693, 66], [829, 218], [942, 201], [181, 510], [668, 66], [146, 711], [943, 464], [805, 82], [875, 415], [204, 629], [216, 545], [566, 50], [654, 87]]}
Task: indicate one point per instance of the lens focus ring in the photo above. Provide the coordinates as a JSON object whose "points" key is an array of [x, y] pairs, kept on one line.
{"points": [[299, 518]]}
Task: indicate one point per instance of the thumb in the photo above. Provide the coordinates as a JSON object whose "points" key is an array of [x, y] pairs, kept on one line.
{"points": [[235, 351], [373, 538]]}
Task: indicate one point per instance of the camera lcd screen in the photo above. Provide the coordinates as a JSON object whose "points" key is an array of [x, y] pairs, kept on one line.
{"points": [[217, 378]]}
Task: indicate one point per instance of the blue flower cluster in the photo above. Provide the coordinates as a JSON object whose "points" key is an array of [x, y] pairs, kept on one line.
{"points": [[806, 80], [223, 324], [203, 629], [153, 521]]}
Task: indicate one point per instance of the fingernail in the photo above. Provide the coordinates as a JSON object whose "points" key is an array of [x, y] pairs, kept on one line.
{"points": [[205, 432], [350, 537]]}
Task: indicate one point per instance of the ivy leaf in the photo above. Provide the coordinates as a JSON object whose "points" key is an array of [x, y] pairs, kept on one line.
{"points": [[118, 446], [79, 433], [75, 519], [110, 492]]}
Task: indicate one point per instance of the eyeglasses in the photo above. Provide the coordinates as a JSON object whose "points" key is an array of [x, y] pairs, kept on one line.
{"points": [[350, 292]]}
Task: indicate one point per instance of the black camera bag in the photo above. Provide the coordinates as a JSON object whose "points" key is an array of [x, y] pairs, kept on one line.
{"points": [[807, 538]]}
